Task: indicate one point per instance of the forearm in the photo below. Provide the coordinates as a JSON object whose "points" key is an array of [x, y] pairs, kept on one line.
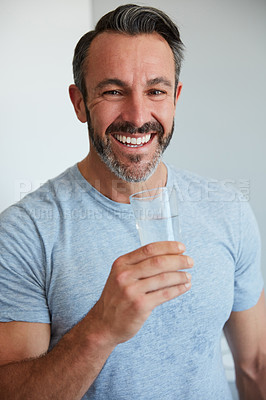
{"points": [[65, 373], [251, 386]]}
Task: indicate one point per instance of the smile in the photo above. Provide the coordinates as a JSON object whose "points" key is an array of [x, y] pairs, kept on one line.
{"points": [[130, 141]]}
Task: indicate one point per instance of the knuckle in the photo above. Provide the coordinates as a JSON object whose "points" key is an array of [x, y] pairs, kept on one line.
{"points": [[163, 277], [138, 304], [166, 294], [178, 290], [121, 277], [156, 261], [117, 263], [128, 292], [148, 249]]}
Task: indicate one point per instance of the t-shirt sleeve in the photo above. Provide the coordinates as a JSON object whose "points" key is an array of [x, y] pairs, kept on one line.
{"points": [[248, 283], [22, 269]]}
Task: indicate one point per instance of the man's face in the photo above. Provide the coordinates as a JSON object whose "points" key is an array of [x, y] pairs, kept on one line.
{"points": [[130, 103]]}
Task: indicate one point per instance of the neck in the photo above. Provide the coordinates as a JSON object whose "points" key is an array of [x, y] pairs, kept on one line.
{"points": [[107, 183]]}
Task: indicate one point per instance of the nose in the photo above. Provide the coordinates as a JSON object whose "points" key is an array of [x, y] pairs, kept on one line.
{"points": [[136, 110]]}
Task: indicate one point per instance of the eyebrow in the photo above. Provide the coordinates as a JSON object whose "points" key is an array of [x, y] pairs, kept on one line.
{"points": [[111, 81], [119, 82], [160, 79]]}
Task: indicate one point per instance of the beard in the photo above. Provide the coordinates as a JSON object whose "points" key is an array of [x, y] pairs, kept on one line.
{"points": [[136, 170]]}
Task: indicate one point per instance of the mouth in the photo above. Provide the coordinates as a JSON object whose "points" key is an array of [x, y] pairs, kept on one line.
{"points": [[134, 140]]}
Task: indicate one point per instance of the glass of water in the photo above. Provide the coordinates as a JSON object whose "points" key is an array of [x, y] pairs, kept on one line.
{"points": [[156, 213]]}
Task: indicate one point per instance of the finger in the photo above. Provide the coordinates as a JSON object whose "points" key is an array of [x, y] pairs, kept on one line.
{"points": [[154, 249], [161, 264], [164, 280], [162, 296]]}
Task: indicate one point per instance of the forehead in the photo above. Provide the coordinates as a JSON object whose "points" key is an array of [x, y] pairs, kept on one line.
{"points": [[114, 54]]}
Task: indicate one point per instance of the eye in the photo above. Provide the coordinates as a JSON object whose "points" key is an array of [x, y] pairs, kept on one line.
{"points": [[112, 93], [157, 94]]}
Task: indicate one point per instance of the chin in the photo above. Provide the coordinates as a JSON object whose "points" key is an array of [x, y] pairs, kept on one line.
{"points": [[135, 173]]}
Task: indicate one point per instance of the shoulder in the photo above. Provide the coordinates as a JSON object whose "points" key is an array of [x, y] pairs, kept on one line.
{"points": [[39, 211], [194, 187], [222, 202]]}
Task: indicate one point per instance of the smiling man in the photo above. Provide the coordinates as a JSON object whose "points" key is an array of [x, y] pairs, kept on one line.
{"points": [[88, 313], [129, 105]]}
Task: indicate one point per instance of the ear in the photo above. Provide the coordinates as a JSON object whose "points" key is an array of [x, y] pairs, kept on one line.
{"points": [[78, 102], [178, 91]]}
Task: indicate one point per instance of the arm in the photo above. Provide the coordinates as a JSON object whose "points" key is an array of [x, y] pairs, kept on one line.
{"points": [[27, 371], [246, 335], [138, 282]]}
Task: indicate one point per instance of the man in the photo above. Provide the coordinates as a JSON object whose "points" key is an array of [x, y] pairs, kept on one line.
{"points": [[87, 313]]}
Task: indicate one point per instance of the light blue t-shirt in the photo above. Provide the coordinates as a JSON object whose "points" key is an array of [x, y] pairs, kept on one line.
{"points": [[57, 246]]}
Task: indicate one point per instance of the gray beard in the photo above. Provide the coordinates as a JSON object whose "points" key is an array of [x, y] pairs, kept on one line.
{"points": [[136, 172]]}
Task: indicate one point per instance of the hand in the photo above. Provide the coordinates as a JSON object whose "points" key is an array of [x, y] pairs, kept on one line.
{"points": [[138, 282]]}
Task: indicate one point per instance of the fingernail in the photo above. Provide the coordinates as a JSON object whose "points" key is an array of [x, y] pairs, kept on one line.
{"points": [[181, 247], [188, 275], [188, 284], [190, 261]]}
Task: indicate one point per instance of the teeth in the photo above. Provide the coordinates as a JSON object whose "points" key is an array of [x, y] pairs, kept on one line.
{"points": [[140, 141]]}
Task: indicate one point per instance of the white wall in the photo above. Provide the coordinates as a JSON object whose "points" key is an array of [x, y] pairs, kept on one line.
{"points": [[39, 133], [220, 123]]}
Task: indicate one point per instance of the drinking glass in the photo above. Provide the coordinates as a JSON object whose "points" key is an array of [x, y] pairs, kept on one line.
{"points": [[156, 214]]}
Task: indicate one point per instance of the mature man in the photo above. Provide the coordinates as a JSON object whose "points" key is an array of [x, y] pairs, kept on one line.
{"points": [[86, 312]]}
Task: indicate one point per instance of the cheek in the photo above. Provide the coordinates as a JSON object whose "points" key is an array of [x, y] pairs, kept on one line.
{"points": [[165, 113], [103, 115]]}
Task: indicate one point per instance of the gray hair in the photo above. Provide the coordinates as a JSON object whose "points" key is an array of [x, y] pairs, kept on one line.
{"points": [[129, 19]]}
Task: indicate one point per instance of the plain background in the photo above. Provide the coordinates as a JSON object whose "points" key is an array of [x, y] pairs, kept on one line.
{"points": [[39, 133], [220, 122]]}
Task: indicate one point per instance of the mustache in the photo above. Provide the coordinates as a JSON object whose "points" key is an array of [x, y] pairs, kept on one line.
{"points": [[128, 127]]}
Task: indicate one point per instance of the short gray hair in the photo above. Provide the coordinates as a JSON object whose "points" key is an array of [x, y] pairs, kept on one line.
{"points": [[129, 19]]}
